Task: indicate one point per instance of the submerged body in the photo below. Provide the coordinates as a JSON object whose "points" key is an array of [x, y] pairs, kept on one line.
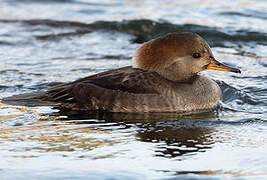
{"points": [[163, 79]]}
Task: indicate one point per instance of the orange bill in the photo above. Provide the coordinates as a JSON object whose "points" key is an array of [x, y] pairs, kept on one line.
{"points": [[215, 65]]}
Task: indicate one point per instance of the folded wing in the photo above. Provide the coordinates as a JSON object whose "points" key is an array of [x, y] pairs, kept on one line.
{"points": [[122, 90]]}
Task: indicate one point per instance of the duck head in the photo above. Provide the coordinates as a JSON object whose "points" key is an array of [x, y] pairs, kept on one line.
{"points": [[178, 56]]}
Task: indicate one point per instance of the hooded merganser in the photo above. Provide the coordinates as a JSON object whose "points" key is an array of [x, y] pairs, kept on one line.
{"points": [[164, 78]]}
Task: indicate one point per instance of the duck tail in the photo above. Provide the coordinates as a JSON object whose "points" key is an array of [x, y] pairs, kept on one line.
{"points": [[28, 99]]}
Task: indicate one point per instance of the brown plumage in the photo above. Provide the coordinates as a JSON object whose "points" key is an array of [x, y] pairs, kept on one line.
{"points": [[163, 79]]}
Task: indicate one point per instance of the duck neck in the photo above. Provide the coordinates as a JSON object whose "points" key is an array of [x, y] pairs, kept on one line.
{"points": [[175, 76]]}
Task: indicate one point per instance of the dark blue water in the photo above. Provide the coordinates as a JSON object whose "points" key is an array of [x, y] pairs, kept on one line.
{"points": [[50, 41]]}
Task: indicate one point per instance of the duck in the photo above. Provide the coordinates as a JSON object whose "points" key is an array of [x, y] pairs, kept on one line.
{"points": [[164, 77]]}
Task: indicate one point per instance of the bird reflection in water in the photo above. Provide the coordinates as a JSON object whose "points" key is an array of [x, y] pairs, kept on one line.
{"points": [[175, 135]]}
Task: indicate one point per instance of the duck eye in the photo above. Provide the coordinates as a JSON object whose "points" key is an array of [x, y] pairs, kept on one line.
{"points": [[196, 55]]}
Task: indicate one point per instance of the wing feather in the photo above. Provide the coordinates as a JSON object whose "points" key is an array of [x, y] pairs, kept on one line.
{"points": [[127, 89]]}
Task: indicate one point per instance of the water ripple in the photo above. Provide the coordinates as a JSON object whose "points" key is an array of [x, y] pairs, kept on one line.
{"points": [[145, 30]]}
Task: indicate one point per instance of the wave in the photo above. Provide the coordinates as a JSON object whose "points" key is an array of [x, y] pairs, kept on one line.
{"points": [[249, 13], [231, 94], [144, 30]]}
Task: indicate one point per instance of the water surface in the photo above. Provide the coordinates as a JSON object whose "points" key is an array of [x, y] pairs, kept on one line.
{"points": [[52, 41]]}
